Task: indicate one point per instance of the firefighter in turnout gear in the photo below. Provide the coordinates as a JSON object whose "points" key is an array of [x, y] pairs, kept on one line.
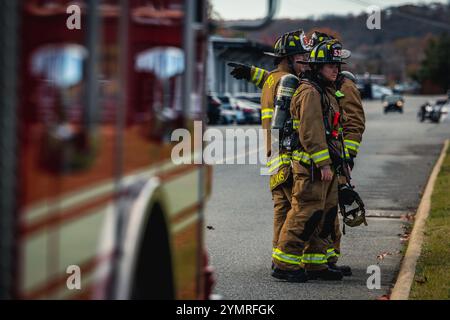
{"points": [[277, 91], [305, 237], [353, 120]]}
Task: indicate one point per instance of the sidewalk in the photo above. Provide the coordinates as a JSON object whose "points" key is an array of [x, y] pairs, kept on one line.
{"points": [[425, 270]]}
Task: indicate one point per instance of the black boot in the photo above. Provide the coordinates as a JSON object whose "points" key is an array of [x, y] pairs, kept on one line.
{"points": [[290, 276], [325, 274], [346, 270]]}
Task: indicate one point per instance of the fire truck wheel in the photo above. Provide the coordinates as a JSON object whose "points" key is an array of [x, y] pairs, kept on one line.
{"points": [[154, 277]]}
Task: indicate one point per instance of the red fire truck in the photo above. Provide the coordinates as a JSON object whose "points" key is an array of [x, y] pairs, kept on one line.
{"points": [[87, 181]]}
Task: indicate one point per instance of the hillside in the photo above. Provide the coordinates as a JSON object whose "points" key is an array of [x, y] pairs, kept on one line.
{"points": [[395, 50]]}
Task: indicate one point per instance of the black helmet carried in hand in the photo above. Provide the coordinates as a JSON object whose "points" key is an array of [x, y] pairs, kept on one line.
{"points": [[348, 197], [329, 51], [290, 43]]}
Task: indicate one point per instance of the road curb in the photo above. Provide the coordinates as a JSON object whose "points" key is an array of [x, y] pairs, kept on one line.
{"points": [[405, 277]]}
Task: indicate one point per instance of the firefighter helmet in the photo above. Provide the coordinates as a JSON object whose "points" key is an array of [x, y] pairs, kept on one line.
{"points": [[318, 37], [349, 75], [290, 43], [329, 51], [349, 197]]}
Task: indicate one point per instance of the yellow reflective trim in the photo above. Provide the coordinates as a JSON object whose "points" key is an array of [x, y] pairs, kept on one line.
{"points": [[291, 44], [274, 167], [351, 145], [270, 81], [285, 158], [257, 77], [347, 154], [255, 73], [287, 258], [352, 142], [266, 113], [322, 159], [331, 253], [313, 53], [301, 156], [318, 154], [314, 258], [272, 161], [295, 256], [321, 54], [351, 148], [280, 157]]}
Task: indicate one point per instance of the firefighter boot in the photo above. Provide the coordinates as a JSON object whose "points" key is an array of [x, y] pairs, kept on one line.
{"points": [[346, 270], [290, 276], [325, 274]]}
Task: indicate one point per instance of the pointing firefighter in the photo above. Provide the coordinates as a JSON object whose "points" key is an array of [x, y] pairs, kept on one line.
{"points": [[277, 91]]}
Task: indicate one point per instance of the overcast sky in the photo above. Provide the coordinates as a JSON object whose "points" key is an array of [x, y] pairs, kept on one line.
{"points": [[251, 9]]}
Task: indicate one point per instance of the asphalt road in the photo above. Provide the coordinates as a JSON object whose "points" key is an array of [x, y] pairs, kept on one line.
{"points": [[395, 160]]}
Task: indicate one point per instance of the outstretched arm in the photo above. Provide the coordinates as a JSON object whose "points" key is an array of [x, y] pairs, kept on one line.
{"points": [[252, 74]]}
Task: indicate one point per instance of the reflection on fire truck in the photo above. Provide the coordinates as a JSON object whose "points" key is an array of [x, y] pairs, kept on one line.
{"points": [[95, 185]]}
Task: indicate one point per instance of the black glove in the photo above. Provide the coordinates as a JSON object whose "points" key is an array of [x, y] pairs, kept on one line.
{"points": [[240, 71]]}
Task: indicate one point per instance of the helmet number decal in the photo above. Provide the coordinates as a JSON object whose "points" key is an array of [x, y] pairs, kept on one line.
{"points": [[337, 53]]}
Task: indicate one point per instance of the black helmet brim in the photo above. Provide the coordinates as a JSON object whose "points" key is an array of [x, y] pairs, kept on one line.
{"points": [[272, 54], [324, 62]]}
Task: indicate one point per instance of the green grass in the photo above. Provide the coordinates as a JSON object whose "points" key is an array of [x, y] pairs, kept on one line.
{"points": [[432, 278]]}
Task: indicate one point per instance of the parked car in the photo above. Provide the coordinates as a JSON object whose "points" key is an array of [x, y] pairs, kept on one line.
{"points": [[407, 87], [214, 109], [253, 97], [227, 112], [393, 102], [227, 115], [251, 110], [379, 92], [230, 112]]}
